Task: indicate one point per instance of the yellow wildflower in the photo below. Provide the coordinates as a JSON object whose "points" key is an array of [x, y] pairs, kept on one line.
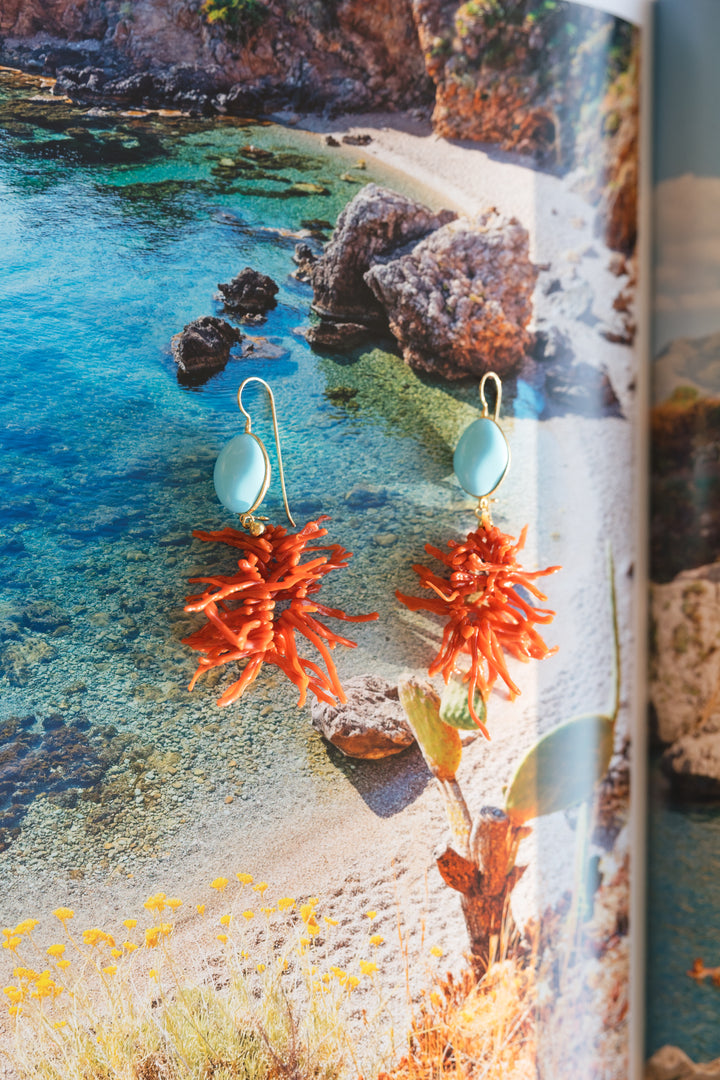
{"points": [[56, 951], [155, 903], [436, 951], [304, 941], [63, 913], [268, 911], [116, 953], [248, 915], [285, 903], [436, 999], [95, 937], [25, 973], [223, 938], [219, 883], [129, 946], [245, 879], [60, 1024], [377, 939], [371, 915], [110, 969], [26, 927], [15, 1010], [368, 967], [152, 973], [64, 964], [329, 921], [200, 909], [351, 982], [261, 968], [130, 923], [225, 920], [173, 903], [260, 887], [12, 943], [339, 974], [326, 977], [152, 936], [312, 926]]}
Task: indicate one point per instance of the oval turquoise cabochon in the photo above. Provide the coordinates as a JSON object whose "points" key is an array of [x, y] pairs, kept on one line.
{"points": [[481, 457], [239, 473]]}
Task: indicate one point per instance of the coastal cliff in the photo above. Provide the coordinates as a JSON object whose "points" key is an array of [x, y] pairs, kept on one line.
{"points": [[556, 83]]}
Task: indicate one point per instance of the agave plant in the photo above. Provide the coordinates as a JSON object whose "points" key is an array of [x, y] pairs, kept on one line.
{"points": [[562, 770]]}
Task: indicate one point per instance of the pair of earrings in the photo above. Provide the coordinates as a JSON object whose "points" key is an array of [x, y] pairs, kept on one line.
{"points": [[256, 615]]}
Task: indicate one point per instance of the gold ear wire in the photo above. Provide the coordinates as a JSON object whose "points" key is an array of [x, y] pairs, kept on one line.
{"points": [[498, 394], [249, 431]]}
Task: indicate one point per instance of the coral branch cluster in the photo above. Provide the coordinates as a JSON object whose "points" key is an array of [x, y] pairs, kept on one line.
{"points": [[255, 615], [486, 615]]}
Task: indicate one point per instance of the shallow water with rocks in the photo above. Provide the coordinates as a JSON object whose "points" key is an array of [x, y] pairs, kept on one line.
{"points": [[116, 230]]}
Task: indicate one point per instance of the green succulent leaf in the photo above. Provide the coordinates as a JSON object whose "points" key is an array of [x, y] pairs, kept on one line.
{"points": [[454, 709], [562, 769], [440, 743]]}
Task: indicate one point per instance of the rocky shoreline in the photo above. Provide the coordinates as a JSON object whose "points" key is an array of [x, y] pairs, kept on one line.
{"points": [[346, 58]]}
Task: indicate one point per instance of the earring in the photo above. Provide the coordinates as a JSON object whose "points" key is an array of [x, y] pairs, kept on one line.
{"points": [[485, 614], [255, 615]]}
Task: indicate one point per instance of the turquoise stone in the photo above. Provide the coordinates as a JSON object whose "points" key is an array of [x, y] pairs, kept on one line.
{"points": [[481, 457], [239, 473]]}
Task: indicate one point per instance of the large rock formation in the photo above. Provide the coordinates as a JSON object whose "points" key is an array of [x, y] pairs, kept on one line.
{"points": [[375, 224], [685, 662], [534, 78], [349, 55], [372, 724], [460, 302]]}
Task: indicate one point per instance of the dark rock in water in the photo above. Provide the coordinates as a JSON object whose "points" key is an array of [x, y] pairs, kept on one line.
{"points": [[305, 258], [361, 497], [357, 140], [460, 302], [249, 293], [372, 724], [373, 225], [330, 140], [203, 348], [326, 335], [692, 765]]}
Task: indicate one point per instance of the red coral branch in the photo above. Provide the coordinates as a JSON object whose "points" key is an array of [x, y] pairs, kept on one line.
{"points": [[486, 616], [255, 615]]}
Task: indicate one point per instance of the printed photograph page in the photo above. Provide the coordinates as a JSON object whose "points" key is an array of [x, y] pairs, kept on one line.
{"points": [[319, 590], [683, 978]]}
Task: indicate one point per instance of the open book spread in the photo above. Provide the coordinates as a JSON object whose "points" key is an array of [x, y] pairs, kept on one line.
{"points": [[360, 543]]}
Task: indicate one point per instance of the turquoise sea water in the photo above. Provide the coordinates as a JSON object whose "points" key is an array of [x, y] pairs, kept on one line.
{"points": [[114, 233], [683, 923]]}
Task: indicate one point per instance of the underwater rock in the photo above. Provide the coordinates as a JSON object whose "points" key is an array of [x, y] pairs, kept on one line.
{"points": [[326, 335], [262, 348], [460, 301], [672, 1063], [371, 724], [357, 140], [19, 661], [202, 348], [374, 224], [43, 616], [685, 658], [249, 293], [692, 765]]}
